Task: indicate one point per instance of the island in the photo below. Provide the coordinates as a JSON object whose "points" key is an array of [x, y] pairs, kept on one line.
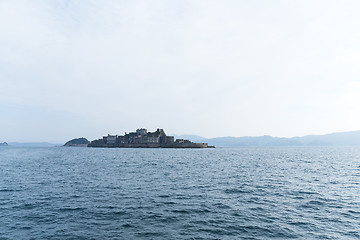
{"points": [[77, 142], [144, 139], [4, 144]]}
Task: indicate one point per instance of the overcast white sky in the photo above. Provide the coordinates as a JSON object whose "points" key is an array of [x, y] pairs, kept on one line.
{"points": [[72, 68]]}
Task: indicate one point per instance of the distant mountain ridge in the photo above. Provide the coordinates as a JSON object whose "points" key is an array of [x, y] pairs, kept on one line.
{"points": [[32, 144], [333, 139], [351, 138], [193, 138]]}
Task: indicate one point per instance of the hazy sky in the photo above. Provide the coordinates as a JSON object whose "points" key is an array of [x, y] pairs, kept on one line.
{"points": [[72, 68]]}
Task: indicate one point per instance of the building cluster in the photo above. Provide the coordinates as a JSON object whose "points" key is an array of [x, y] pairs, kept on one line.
{"points": [[140, 136]]}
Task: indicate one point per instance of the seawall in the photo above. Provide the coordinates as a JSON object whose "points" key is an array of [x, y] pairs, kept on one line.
{"points": [[152, 145]]}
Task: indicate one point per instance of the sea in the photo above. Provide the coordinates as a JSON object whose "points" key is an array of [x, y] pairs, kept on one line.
{"points": [[222, 193]]}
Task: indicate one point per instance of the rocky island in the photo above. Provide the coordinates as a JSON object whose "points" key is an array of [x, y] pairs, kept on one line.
{"points": [[4, 144], [144, 139], [77, 142]]}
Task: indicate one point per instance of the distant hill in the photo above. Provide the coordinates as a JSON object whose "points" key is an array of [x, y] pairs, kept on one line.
{"points": [[333, 139], [193, 138], [4, 144], [252, 141], [32, 144], [77, 142]]}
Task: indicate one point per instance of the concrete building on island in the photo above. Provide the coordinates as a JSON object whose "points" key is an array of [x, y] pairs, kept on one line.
{"points": [[141, 138]]}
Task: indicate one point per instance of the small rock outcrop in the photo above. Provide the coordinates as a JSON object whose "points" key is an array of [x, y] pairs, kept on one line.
{"points": [[77, 142]]}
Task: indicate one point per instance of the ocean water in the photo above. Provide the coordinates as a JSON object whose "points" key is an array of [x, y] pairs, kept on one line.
{"points": [[222, 193]]}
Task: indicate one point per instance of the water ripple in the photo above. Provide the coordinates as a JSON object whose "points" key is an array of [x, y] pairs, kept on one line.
{"points": [[244, 193]]}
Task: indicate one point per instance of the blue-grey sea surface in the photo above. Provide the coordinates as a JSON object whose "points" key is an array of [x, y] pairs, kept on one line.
{"points": [[221, 193]]}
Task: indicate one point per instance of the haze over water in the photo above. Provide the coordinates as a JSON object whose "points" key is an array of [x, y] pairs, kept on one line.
{"points": [[229, 193], [206, 67]]}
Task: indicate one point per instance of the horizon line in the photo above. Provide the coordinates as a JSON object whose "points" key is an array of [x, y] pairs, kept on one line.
{"points": [[205, 138]]}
